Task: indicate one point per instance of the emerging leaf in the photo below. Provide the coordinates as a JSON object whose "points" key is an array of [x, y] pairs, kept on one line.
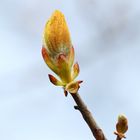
{"points": [[55, 81]]}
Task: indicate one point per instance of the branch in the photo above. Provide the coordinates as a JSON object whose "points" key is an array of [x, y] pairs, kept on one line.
{"points": [[95, 129]]}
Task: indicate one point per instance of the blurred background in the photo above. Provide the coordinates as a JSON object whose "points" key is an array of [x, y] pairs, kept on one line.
{"points": [[106, 38]]}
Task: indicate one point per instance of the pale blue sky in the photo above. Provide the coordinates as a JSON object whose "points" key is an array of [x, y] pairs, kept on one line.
{"points": [[106, 38]]}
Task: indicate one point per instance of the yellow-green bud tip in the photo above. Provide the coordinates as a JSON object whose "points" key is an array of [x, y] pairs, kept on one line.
{"points": [[56, 33]]}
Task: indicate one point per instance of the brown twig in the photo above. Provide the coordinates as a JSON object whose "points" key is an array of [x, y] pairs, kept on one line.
{"points": [[119, 135], [118, 138], [95, 129]]}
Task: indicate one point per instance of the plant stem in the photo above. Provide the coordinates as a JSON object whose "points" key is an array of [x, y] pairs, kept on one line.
{"points": [[95, 129], [118, 138]]}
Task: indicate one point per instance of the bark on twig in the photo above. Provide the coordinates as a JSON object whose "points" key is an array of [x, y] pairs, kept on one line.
{"points": [[95, 129], [118, 138]]}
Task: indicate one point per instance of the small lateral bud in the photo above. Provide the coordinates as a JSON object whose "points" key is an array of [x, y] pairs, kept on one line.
{"points": [[73, 87], [121, 126]]}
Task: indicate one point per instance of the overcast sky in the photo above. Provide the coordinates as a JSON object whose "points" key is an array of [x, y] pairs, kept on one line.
{"points": [[106, 38]]}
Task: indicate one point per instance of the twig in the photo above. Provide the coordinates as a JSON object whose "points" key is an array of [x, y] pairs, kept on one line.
{"points": [[118, 138], [95, 129]]}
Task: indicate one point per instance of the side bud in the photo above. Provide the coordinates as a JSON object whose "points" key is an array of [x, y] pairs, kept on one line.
{"points": [[73, 86], [121, 126]]}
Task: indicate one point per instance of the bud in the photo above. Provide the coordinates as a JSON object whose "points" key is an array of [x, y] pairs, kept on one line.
{"points": [[56, 34], [73, 87], [58, 52], [121, 126]]}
